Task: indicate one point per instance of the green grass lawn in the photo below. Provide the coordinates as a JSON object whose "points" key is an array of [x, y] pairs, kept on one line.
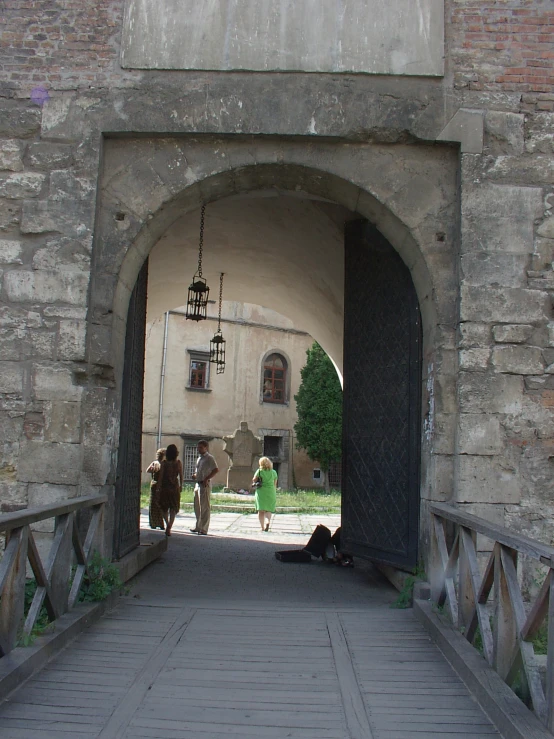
{"points": [[302, 501]]}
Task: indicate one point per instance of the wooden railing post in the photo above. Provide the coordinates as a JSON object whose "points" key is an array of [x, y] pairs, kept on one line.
{"points": [[100, 531], [504, 631], [550, 655], [12, 589], [436, 569], [58, 569], [466, 599]]}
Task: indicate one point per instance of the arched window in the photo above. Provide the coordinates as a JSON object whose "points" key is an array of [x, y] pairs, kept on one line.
{"points": [[274, 379]]}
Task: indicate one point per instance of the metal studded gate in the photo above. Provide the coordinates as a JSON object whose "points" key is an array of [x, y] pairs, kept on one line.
{"points": [[382, 391], [127, 484]]}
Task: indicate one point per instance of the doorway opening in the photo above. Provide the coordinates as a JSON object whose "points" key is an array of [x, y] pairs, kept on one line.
{"points": [[313, 258]]}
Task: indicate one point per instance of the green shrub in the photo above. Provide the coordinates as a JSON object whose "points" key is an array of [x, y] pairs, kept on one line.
{"points": [[101, 580]]}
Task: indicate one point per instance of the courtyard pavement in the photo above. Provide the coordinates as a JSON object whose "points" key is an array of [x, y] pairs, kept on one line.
{"points": [[293, 528]]}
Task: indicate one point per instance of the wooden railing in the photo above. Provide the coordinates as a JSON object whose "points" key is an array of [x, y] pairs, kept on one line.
{"points": [[60, 578], [488, 598]]}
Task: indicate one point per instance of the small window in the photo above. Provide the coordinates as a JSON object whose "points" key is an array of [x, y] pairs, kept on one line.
{"points": [[316, 475], [189, 461], [199, 371], [274, 379]]}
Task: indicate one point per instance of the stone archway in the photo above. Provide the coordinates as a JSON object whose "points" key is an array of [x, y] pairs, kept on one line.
{"points": [[408, 192]]}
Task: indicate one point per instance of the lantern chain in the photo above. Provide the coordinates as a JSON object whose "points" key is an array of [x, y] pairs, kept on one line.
{"points": [[201, 241], [220, 300]]}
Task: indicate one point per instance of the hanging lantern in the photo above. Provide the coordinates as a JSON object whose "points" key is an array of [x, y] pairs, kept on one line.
{"points": [[217, 344], [197, 300], [217, 352]]}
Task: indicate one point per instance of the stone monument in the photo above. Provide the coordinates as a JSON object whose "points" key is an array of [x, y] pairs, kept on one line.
{"points": [[243, 449]]}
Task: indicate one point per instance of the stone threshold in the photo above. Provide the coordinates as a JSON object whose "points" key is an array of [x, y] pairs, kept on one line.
{"points": [[22, 663], [510, 716]]}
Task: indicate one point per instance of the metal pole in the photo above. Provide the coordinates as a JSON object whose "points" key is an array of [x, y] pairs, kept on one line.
{"points": [[162, 380]]}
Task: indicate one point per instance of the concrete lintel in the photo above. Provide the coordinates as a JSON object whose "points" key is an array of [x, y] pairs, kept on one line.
{"points": [[510, 716], [466, 126]]}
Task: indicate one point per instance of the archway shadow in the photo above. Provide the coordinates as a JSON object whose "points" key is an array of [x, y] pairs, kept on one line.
{"points": [[240, 568]]}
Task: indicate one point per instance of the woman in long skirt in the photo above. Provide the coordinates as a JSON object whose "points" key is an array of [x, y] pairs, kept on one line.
{"points": [[266, 493], [154, 510], [170, 484]]}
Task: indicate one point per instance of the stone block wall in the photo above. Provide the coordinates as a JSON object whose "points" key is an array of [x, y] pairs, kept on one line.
{"points": [[489, 403], [45, 266], [505, 382]]}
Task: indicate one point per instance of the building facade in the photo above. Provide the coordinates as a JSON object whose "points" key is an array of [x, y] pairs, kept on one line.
{"points": [[433, 121], [264, 356]]}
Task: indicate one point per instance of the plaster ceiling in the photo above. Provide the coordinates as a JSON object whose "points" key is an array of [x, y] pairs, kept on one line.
{"points": [[283, 252]]}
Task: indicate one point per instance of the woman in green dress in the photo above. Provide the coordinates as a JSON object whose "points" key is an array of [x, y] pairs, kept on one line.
{"points": [[266, 493]]}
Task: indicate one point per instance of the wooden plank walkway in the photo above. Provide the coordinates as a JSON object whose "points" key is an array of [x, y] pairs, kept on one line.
{"points": [[178, 662]]}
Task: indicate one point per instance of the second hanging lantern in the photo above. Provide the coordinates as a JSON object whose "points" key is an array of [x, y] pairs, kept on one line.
{"points": [[197, 299], [217, 344]]}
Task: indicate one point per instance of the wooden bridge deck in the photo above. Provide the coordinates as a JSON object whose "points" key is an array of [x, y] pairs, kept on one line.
{"points": [[221, 640]]}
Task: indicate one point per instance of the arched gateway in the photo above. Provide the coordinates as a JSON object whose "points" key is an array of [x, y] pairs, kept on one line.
{"points": [[384, 250]]}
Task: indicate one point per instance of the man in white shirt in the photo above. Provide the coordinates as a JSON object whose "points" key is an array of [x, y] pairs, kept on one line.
{"points": [[206, 468]]}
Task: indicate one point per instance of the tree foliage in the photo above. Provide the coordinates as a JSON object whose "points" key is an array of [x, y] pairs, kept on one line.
{"points": [[319, 406]]}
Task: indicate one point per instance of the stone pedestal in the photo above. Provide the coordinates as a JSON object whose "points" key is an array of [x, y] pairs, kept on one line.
{"points": [[243, 449]]}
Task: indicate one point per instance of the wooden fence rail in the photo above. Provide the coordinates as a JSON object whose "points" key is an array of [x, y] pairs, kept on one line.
{"points": [[60, 578], [488, 600]]}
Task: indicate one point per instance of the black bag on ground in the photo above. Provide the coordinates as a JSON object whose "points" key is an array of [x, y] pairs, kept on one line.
{"points": [[318, 541], [293, 555]]}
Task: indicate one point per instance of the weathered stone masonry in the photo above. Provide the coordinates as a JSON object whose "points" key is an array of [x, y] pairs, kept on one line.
{"points": [[487, 251]]}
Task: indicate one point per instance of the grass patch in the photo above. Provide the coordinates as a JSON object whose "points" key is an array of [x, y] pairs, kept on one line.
{"points": [[302, 501], [310, 500], [406, 595]]}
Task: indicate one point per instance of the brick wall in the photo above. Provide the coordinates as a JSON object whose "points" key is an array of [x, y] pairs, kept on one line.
{"points": [[61, 44], [493, 46], [504, 46]]}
